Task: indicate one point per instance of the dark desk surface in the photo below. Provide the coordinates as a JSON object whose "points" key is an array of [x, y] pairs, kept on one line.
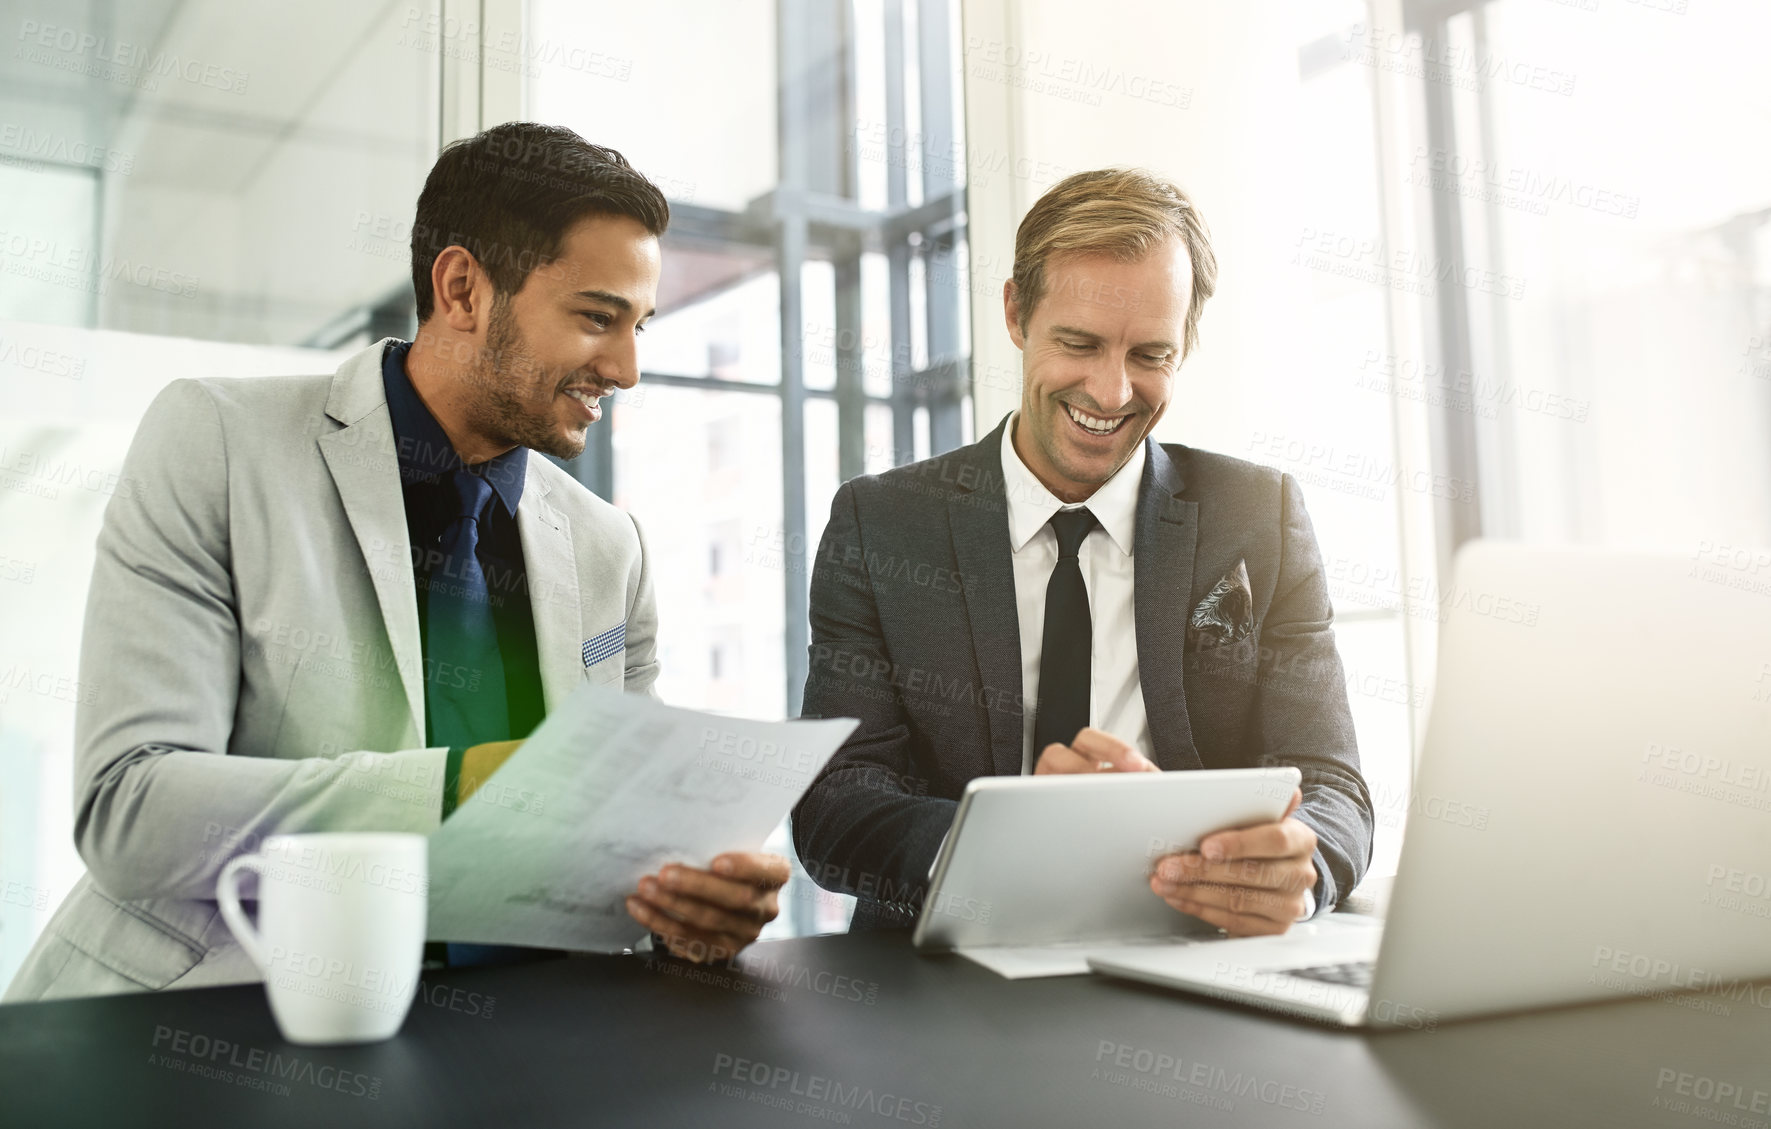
{"points": [[859, 1030]]}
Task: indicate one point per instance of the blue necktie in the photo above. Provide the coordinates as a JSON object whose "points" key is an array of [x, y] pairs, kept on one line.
{"points": [[465, 672]]}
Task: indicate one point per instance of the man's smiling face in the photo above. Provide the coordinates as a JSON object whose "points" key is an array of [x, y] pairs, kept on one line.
{"points": [[1099, 356], [568, 337]]}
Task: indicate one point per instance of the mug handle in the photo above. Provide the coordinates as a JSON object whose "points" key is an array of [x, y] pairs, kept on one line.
{"points": [[227, 896]]}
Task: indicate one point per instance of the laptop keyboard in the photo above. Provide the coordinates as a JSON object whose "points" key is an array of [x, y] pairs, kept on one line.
{"points": [[1353, 974]]}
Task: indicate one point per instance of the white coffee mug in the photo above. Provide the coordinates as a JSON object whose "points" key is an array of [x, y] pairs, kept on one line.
{"points": [[340, 936]]}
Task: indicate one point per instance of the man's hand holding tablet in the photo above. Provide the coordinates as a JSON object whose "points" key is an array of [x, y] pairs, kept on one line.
{"points": [[1248, 882]]}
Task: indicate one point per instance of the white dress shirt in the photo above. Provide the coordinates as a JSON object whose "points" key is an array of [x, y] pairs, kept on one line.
{"points": [[1116, 697]]}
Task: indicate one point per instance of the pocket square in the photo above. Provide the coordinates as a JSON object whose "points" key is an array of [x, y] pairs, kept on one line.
{"points": [[1226, 615], [608, 643]]}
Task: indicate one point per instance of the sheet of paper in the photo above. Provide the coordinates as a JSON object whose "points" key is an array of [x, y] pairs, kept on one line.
{"points": [[608, 789], [1023, 962], [1026, 962]]}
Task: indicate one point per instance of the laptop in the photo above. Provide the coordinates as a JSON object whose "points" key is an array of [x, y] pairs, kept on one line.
{"points": [[1591, 812]]}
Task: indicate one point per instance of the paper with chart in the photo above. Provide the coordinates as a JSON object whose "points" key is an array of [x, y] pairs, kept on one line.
{"points": [[608, 789]]}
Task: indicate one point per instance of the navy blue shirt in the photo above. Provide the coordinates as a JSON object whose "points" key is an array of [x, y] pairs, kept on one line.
{"points": [[427, 461]]}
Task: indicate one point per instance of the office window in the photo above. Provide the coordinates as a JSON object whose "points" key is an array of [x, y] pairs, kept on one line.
{"points": [[1328, 427], [802, 338], [217, 204], [1618, 383]]}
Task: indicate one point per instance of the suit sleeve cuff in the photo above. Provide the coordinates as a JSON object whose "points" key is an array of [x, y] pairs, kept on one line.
{"points": [[1324, 897], [452, 778]]}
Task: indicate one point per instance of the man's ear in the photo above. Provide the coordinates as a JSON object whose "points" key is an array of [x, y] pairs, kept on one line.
{"points": [[1011, 313], [459, 288]]}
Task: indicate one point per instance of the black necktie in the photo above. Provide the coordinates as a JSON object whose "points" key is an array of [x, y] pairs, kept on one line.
{"points": [[1064, 668]]}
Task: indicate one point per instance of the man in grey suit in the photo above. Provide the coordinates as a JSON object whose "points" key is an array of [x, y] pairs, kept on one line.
{"points": [[1068, 595], [331, 602]]}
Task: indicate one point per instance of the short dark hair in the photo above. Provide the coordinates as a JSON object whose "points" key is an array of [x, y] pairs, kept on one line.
{"points": [[508, 195]]}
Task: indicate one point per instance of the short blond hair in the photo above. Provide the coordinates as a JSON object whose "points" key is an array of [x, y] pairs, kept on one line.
{"points": [[1123, 212]]}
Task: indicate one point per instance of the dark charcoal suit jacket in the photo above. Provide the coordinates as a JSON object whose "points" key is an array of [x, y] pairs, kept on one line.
{"points": [[915, 632]]}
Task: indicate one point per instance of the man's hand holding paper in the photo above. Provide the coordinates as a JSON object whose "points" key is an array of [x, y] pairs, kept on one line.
{"points": [[708, 915], [635, 796]]}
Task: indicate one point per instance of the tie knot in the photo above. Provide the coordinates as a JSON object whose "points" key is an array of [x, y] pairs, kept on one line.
{"points": [[1072, 527], [471, 493]]}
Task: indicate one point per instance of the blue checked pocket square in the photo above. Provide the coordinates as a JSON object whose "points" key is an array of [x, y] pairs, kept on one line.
{"points": [[603, 646]]}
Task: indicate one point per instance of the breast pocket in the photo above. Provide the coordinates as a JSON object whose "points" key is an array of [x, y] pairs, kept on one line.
{"points": [[1223, 660], [1221, 683]]}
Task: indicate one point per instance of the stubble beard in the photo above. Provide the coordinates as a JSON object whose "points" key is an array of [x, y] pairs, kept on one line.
{"points": [[503, 371]]}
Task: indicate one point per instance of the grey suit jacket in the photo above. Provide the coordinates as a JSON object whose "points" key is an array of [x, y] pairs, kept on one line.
{"points": [[915, 632], [253, 646]]}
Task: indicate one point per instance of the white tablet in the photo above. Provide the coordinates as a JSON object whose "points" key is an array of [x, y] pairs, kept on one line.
{"points": [[1041, 860]]}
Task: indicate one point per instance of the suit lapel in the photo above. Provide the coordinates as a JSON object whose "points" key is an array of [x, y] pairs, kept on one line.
{"points": [[1167, 535], [554, 599], [366, 470], [977, 517]]}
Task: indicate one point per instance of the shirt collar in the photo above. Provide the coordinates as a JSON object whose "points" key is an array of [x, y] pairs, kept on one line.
{"points": [[1030, 505], [426, 454]]}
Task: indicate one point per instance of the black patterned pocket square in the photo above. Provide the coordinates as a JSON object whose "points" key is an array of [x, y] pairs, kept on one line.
{"points": [[1226, 615]]}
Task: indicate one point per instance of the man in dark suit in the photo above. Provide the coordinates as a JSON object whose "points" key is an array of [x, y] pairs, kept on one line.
{"points": [[1068, 595]]}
